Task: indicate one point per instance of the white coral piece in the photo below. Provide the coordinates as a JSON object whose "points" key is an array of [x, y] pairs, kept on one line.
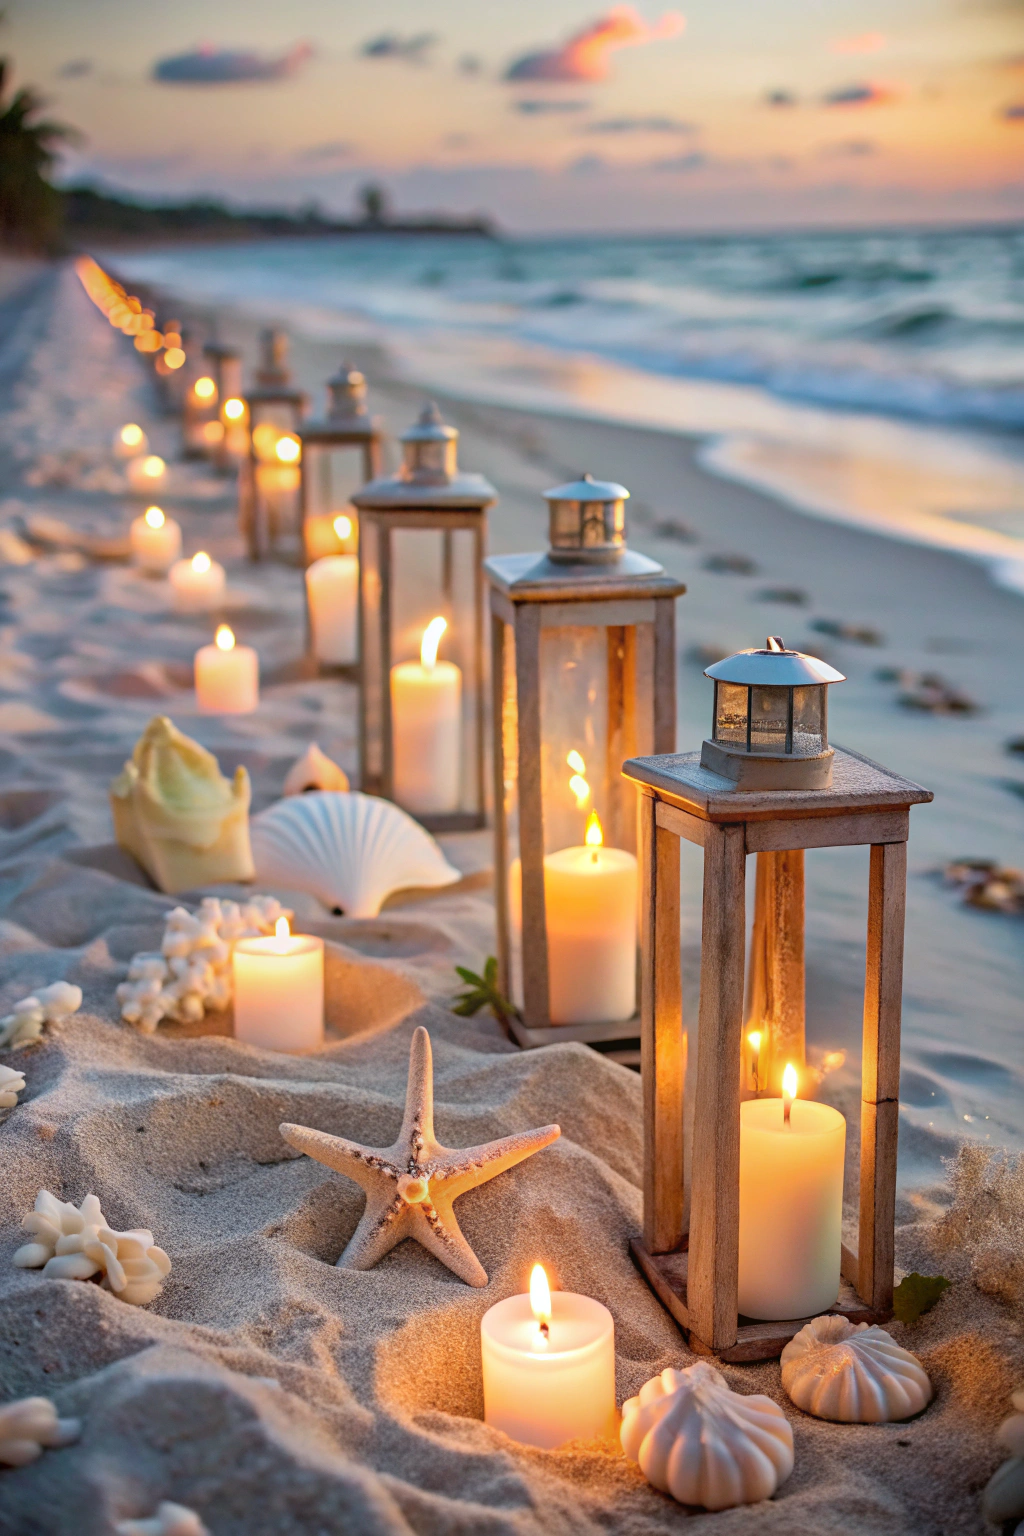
{"points": [[75, 1243], [11, 1084], [170, 1520], [705, 1444], [192, 972], [29, 1426], [853, 1373], [25, 1023]]}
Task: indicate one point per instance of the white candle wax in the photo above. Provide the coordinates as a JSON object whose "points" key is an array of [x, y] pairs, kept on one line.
{"points": [[541, 1391], [791, 1208], [155, 541], [227, 676], [426, 729], [147, 473], [197, 584], [279, 992], [332, 588]]}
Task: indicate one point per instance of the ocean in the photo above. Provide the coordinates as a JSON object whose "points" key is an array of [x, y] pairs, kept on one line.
{"points": [[874, 377]]}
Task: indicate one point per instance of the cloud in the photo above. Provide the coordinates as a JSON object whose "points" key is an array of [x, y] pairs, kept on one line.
{"points": [[681, 164], [321, 154], [470, 64], [586, 55], [848, 149], [74, 69], [228, 66], [780, 98], [863, 94], [541, 108], [391, 45], [641, 125], [863, 42], [1014, 113], [588, 165]]}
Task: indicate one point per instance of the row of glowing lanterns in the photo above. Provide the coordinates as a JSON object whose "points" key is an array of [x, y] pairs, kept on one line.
{"points": [[127, 313]]}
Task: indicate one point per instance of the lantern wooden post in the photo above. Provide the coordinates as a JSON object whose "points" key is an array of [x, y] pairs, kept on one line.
{"points": [[695, 1274], [586, 583], [274, 403]]}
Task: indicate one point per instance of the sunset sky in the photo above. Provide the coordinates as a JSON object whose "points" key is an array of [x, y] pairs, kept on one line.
{"points": [[558, 115]]}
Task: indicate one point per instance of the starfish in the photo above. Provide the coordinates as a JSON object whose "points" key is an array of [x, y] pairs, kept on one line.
{"points": [[410, 1186]]}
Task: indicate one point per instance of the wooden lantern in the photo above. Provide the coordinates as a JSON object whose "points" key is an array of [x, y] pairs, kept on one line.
{"points": [[583, 675], [218, 377], [340, 453], [694, 1273], [422, 536], [269, 480]]}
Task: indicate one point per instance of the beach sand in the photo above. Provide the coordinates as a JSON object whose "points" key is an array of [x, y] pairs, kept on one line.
{"points": [[264, 1387]]}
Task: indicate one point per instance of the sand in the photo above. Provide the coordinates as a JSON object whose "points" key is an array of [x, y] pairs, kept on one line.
{"points": [[264, 1387]]}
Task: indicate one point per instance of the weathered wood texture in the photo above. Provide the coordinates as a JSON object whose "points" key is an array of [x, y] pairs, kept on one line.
{"points": [[536, 999], [662, 1037]]}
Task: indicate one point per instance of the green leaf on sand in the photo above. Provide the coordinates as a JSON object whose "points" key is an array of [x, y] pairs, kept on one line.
{"points": [[482, 992], [917, 1294]]}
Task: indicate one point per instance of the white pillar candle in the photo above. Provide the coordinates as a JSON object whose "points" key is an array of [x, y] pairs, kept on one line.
{"points": [[155, 541], [197, 584], [332, 590], [147, 473], [549, 1367], [227, 676], [791, 1206], [130, 440], [426, 729], [279, 990]]}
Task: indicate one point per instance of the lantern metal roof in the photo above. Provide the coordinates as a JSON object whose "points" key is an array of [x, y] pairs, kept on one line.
{"points": [[347, 415], [422, 483], [587, 521], [586, 488], [773, 667], [430, 427]]}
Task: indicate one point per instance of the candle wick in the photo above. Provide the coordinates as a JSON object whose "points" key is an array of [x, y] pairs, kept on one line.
{"points": [[545, 1329], [593, 856], [787, 1107]]}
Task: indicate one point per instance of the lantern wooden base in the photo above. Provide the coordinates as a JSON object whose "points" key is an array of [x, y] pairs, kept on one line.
{"points": [[666, 1274], [749, 770], [619, 1039]]}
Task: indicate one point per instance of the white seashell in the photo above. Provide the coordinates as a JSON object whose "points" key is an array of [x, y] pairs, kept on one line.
{"points": [[705, 1444], [11, 1084], [170, 1520], [1003, 1499], [314, 770], [75, 1244], [349, 851], [27, 1427], [853, 1373], [24, 1024]]}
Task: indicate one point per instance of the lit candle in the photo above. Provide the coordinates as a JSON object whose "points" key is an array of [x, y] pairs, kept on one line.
{"points": [[227, 676], [279, 990], [129, 441], [197, 584], [549, 1366], [791, 1205], [235, 413], [205, 390], [155, 541], [327, 534], [332, 589], [278, 479], [590, 906], [426, 729], [147, 473]]}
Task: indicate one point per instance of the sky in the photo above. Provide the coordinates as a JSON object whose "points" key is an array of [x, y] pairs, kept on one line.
{"points": [[549, 115]]}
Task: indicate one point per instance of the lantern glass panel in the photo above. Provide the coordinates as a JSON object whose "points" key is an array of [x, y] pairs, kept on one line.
{"points": [[769, 719], [731, 707], [809, 727], [332, 474]]}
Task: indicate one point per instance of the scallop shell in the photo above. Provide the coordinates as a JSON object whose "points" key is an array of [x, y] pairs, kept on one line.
{"points": [[853, 1373], [314, 770], [705, 1444], [348, 850]]}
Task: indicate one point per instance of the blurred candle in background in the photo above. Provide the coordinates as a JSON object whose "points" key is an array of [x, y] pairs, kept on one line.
{"points": [[331, 533], [332, 590], [197, 584], [129, 441], [426, 729], [147, 473], [155, 542], [227, 676]]}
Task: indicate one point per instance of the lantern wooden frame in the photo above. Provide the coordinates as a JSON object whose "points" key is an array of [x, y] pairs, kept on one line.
{"points": [[694, 1273], [528, 595]]}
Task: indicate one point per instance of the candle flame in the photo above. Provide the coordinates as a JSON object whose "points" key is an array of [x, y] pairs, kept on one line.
{"points": [[594, 836], [174, 357], [540, 1297], [155, 518], [431, 640], [132, 435], [201, 562], [204, 388], [153, 466], [288, 449], [343, 527], [581, 789], [790, 1083], [281, 928], [234, 409], [576, 762], [754, 1040], [224, 638]]}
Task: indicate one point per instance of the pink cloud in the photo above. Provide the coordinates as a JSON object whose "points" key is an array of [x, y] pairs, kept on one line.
{"points": [[865, 93], [586, 55], [863, 42]]}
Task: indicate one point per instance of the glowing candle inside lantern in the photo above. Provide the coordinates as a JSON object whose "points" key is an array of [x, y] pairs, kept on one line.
{"points": [[791, 1205], [426, 729], [130, 440], [197, 584], [236, 426], [155, 541], [227, 676], [549, 1366], [332, 590], [329, 534], [205, 390], [278, 477], [279, 990], [146, 473]]}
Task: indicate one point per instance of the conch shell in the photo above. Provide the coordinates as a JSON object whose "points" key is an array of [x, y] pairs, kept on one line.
{"points": [[705, 1444], [28, 1426], [314, 770], [175, 812], [853, 1373]]}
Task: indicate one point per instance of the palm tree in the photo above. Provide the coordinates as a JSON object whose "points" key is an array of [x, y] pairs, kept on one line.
{"points": [[30, 207]]}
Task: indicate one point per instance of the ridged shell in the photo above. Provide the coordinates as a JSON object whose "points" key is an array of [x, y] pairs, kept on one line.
{"points": [[696, 1439], [853, 1373], [348, 850], [314, 770]]}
